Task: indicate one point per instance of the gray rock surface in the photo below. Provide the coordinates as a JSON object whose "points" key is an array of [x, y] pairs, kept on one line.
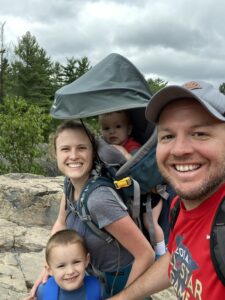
{"points": [[28, 207]]}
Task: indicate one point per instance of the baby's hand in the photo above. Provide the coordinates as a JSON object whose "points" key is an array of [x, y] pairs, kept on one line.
{"points": [[125, 153]]}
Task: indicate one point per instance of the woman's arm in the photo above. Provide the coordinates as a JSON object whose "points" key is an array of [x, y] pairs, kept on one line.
{"points": [[130, 236], [152, 281], [58, 225]]}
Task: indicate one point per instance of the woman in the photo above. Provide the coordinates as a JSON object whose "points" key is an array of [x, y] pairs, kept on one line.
{"points": [[130, 253]]}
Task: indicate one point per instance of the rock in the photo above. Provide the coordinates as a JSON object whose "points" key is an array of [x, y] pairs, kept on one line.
{"points": [[168, 294], [29, 206], [30, 199], [21, 263]]}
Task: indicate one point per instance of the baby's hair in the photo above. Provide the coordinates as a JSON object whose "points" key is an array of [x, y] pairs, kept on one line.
{"points": [[124, 112], [63, 238]]}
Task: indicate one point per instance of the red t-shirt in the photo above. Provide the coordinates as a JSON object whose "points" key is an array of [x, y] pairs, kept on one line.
{"points": [[131, 145], [191, 271]]}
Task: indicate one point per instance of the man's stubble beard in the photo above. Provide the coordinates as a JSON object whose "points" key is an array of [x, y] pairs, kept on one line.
{"points": [[207, 188]]}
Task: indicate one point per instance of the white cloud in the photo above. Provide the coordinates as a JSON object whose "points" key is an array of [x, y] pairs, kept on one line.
{"points": [[174, 40]]}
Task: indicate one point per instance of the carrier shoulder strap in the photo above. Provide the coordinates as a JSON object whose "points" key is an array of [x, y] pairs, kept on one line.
{"points": [[217, 242], [83, 211], [174, 213], [151, 228]]}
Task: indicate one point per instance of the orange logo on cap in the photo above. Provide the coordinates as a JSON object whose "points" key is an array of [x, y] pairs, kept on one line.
{"points": [[192, 85]]}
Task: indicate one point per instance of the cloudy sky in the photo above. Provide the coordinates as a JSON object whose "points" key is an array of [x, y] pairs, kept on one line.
{"points": [[174, 40]]}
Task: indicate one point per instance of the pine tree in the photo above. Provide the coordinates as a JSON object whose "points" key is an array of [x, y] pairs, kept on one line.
{"points": [[31, 72], [75, 68]]}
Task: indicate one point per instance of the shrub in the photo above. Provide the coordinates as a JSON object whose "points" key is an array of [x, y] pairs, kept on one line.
{"points": [[22, 129]]}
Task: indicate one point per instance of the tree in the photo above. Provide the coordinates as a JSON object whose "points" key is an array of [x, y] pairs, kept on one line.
{"points": [[3, 62], [222, 88], [57, 76], [156, 84], [31, 72], [75, 68], [22, 131]]}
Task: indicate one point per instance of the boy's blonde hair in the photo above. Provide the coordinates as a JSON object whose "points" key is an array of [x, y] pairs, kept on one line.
{"points": [[63, 238]]}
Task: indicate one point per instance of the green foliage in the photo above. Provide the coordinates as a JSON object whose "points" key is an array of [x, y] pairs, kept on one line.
{"points": [[22, 127], [222, 88], [30, 73], [75, 68], [156, 84], [57, 76], [93, 123]]}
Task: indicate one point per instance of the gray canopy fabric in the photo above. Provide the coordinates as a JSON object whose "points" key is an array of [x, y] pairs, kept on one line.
{"points": [[111, 85]]}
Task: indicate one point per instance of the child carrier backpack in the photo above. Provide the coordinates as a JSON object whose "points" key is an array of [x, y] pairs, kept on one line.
{"points": [[128, 182], [115, 84], [217, 237], [92, 288]]}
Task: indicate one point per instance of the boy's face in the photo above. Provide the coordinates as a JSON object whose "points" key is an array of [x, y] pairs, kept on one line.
{"points": [[115, 128], [67, 265]]}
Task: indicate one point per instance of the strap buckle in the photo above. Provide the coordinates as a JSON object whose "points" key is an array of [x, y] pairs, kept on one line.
{"points": [[124, 182]]}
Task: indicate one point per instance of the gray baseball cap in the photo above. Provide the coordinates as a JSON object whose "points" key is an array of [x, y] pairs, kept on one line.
{"points": [[205, 93]]}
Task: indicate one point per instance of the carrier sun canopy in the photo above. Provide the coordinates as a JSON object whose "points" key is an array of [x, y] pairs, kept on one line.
{"points": [[111, 85]]}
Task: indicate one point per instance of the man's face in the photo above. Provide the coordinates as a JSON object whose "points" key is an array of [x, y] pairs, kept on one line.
{"points": [[191, 149]]}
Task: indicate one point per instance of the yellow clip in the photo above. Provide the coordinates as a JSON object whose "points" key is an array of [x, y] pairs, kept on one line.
{"points": [[124, 182]]}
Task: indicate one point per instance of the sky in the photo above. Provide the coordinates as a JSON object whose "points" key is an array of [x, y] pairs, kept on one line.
{"points": [[176, 41]]}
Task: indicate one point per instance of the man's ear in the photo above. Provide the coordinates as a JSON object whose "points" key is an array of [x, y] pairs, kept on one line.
{"points": [[87, 260]]}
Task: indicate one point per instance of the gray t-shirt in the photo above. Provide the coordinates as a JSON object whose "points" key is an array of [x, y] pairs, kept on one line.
{"points": [[104, 209]]}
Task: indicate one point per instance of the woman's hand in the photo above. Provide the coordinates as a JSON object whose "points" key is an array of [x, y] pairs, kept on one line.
{"points": [[30, 298]]}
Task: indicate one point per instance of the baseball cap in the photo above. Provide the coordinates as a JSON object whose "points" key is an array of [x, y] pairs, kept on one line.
{"points": [[205, 93]]}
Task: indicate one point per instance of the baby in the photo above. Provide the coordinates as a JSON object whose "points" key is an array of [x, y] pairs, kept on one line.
{"points": [[116, 129]]}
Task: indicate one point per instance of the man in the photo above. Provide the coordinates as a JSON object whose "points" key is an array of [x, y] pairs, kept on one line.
{"points": [[191, 156]]}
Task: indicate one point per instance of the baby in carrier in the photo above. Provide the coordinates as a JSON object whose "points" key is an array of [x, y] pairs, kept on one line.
{"points": [[116, 129]]}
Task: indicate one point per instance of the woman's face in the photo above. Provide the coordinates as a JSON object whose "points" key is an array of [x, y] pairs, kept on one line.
{"points": [[74, 154]]}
